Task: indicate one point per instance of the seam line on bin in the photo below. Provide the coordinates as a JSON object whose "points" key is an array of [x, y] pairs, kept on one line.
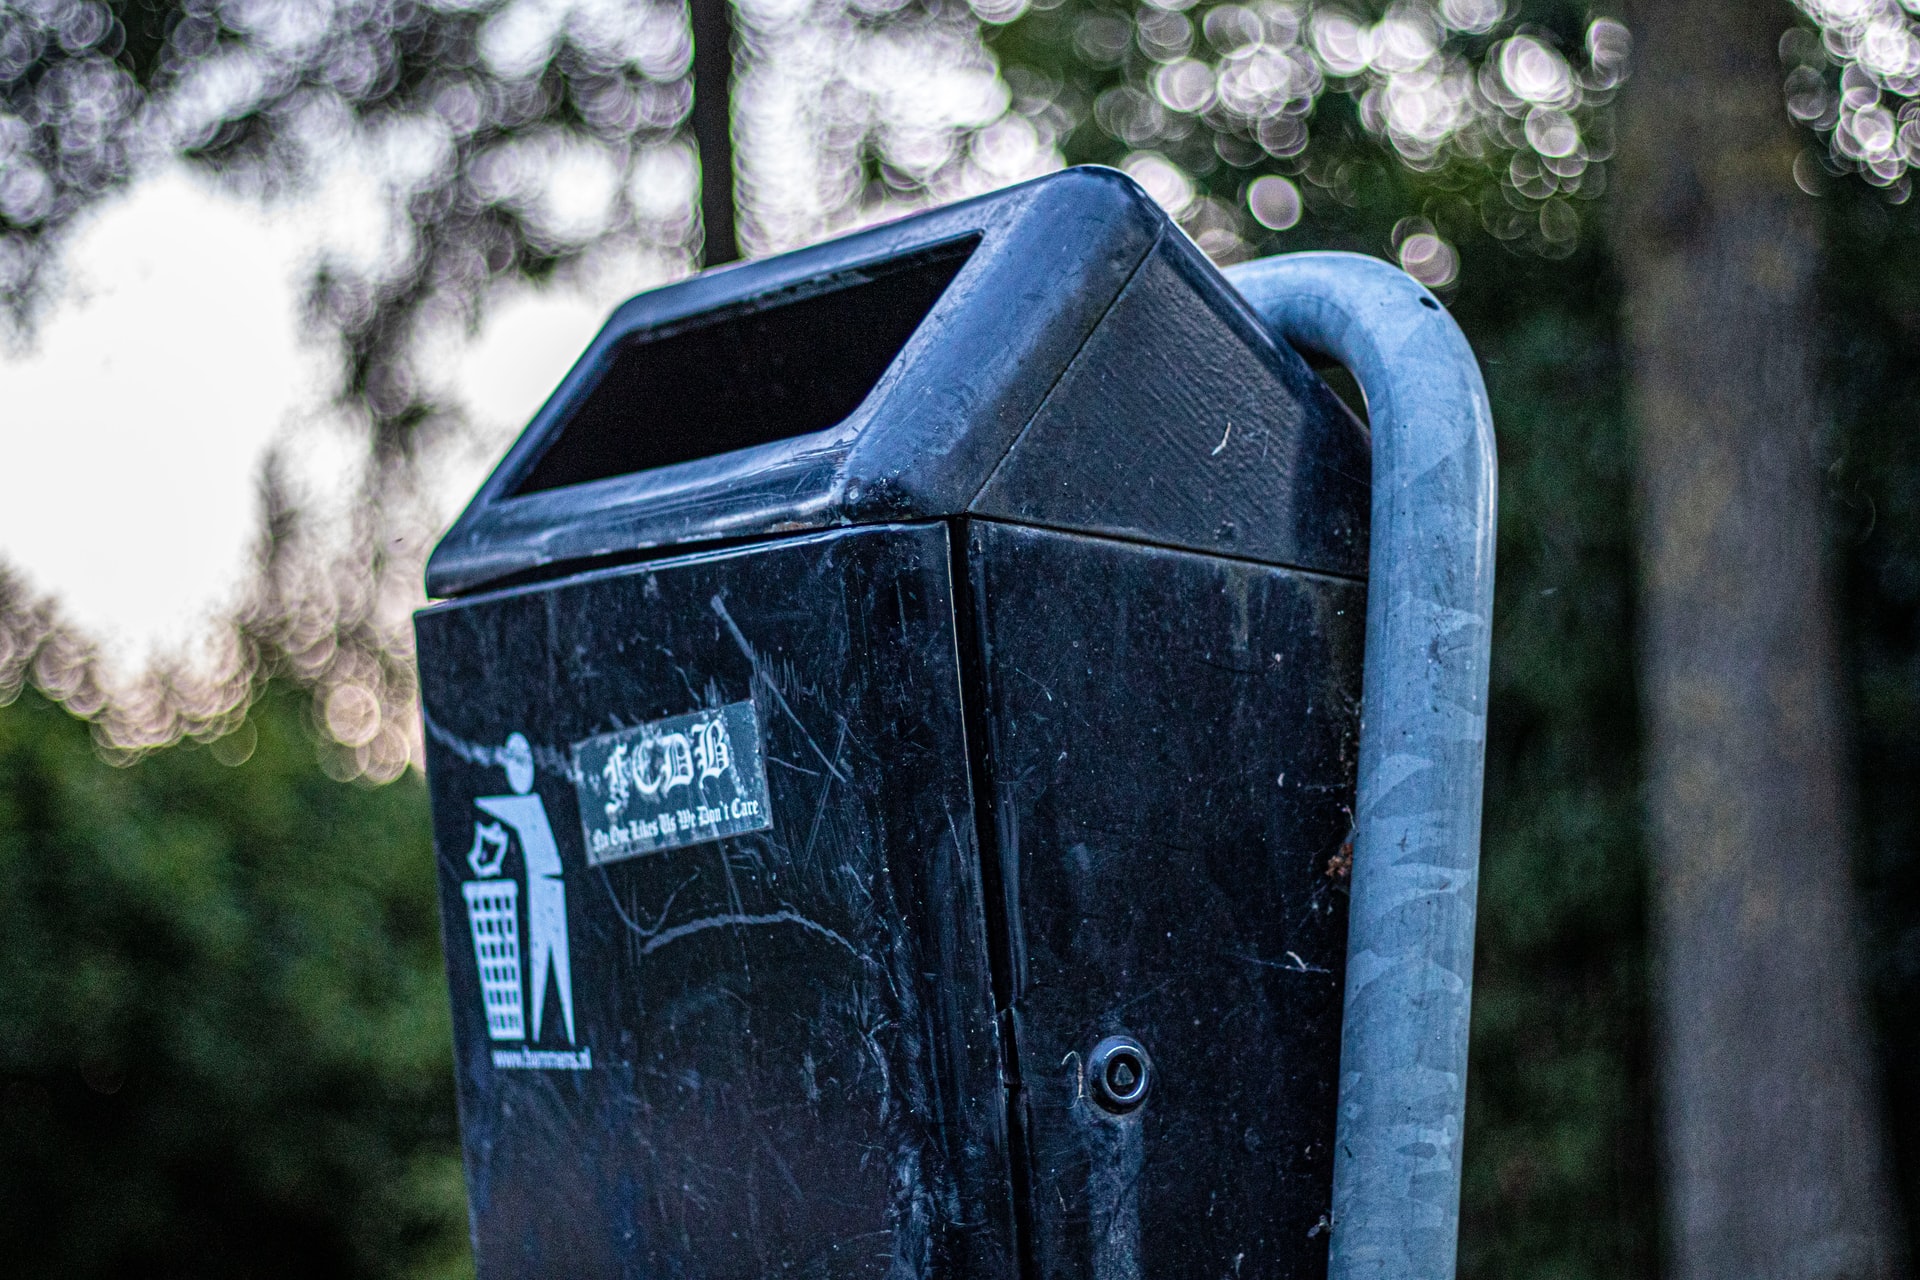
{"points": [[1210, 554], [590, 567], [971, 667]]}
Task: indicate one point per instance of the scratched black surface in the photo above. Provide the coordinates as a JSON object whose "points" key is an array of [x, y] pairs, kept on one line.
{"points": [[1171, 746], [794, 1069]]}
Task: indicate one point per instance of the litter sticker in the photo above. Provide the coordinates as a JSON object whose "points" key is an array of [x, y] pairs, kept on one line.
{"points": [[494, 906], [675, 782]]}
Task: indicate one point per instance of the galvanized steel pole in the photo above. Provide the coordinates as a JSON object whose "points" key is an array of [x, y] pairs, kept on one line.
{"points": [[1403, 1052]]}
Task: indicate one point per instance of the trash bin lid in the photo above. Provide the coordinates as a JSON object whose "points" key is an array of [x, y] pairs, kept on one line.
{"points": [[1056, 353]]}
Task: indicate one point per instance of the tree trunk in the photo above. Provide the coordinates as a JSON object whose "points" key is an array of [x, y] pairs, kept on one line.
{"points": [[1774, 1152], [712, 24]]}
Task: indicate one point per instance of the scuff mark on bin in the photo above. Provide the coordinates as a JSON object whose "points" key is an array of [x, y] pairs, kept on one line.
{"points": [[742, 920], [1294, 963], [660, 933], [549, 759], [760, 671]]}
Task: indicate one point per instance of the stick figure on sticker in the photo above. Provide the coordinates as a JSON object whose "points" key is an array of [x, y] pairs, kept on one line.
{"points": [[493, 908]]}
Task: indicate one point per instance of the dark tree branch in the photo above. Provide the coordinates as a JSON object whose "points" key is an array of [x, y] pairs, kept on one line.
{"points": [[712, 22]]}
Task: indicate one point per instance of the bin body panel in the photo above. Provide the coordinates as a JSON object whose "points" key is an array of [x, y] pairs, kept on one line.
{"points": [[781, 1055], [1172, 741]]}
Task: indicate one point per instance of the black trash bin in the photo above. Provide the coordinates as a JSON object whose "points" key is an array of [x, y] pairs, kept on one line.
{"points": [[891, 732]]}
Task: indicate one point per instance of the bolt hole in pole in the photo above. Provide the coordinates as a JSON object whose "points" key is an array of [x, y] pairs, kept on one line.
{"points": [[1120, 1073]]}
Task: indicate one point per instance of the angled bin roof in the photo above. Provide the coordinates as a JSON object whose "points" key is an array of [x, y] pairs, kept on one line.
{"points": [[1057, 353]]}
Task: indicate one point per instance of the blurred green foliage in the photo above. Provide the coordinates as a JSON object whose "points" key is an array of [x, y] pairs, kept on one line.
{"points": [[226, 1047], [1559, 1155]]}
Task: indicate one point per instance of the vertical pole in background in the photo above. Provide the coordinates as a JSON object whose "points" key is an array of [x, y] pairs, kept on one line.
{"points": [[1770, 1116], [712, 24]]}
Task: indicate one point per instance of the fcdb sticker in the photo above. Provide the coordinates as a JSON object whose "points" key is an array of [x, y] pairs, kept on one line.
{"points": [[671, 783]]}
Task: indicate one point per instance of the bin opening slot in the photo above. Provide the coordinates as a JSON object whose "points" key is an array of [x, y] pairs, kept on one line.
{"points": [[779, 366]]}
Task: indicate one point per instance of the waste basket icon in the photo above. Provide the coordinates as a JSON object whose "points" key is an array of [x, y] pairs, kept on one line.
{"points": [[927, 671], [493, 916]]}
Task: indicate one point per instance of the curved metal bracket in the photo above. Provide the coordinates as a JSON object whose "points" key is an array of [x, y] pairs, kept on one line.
{"points": [[1423, 729]]}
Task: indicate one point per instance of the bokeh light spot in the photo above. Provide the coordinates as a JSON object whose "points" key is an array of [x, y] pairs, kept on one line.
{"points": [[1429, 259], [1170, 188], [1274, 202]]}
